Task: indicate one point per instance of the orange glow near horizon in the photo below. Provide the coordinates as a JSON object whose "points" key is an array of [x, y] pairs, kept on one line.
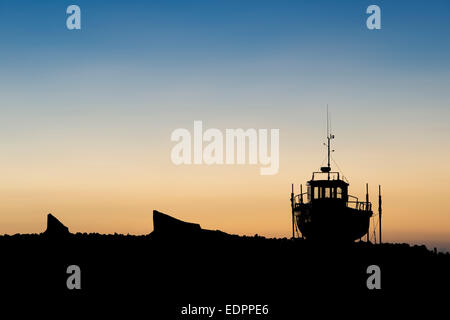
{"points": [[107, 190]]}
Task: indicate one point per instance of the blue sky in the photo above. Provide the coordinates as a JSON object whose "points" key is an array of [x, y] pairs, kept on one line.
{"points": [[180, 59], [221, 42]]}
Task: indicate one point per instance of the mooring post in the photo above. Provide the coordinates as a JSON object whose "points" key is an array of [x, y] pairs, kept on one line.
{"points": [[367, 208], [292, 206], [379, 211]]}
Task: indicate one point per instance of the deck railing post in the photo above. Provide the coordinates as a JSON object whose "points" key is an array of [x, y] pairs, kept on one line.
{"points": [[301, 193]]}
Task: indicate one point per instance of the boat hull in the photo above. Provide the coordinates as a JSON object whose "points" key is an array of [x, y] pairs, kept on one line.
{"points": [[331, 221]]}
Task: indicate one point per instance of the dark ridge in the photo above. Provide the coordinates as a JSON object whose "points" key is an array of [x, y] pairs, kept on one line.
{"points": [[181, 263]]}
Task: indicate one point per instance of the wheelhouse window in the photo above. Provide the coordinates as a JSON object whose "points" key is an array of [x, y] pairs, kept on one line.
{"points": [[339, 192], [325, 193]]}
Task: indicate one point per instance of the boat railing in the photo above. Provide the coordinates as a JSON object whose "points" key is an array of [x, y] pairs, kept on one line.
{"points": [[359, 205], [300, 198], [325, 175], [355, 203]]}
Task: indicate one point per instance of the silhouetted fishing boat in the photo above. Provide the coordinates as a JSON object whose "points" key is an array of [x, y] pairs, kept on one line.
{"points": [[329, 212]]}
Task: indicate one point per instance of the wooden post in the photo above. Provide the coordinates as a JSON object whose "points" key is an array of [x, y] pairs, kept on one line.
{"points": [[379, 211], [292, 206], [367, 208]]}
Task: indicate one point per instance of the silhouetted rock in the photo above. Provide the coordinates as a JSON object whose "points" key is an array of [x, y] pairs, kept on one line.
{"points": [[55, 227], [170, 228], [164, 224]]}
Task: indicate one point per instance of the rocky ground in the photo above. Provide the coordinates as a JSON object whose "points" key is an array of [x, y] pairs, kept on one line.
{"points": [[180, 264]]}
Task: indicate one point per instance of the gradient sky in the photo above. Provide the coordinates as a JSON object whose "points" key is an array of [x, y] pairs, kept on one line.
{"points": [[86, 116]]}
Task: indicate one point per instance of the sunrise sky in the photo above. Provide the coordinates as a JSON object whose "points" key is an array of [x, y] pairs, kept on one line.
{"points": [[86, 115]]}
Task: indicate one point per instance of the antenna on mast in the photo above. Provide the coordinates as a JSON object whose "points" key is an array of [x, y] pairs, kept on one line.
{"points": [[328, 144], [328, 136]]}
